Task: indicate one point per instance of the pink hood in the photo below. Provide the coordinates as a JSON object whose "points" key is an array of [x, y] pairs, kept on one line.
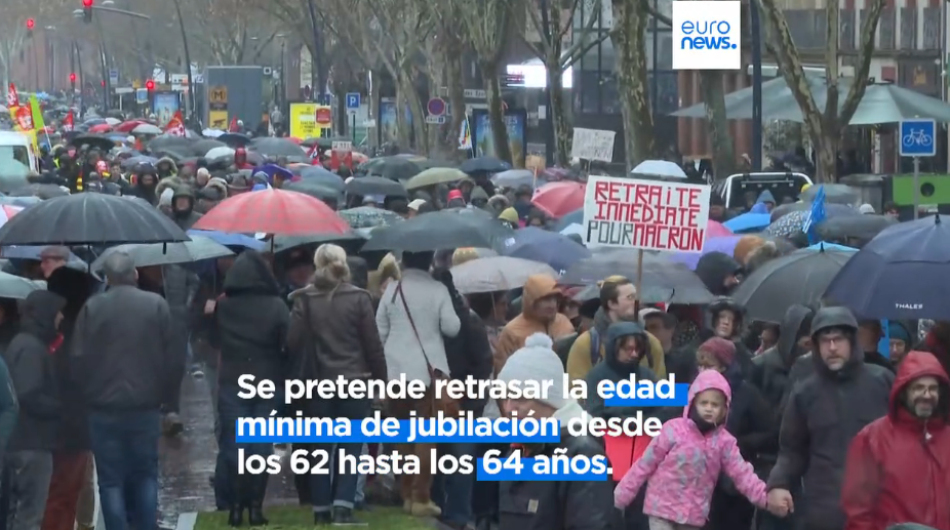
{"points": [[708, 380]]}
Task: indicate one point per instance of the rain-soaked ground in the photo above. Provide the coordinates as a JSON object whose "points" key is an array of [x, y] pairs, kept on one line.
{"points": [[187, 461]]}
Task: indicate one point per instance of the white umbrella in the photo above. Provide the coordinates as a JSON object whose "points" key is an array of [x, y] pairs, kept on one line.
{"points": [[514, 178], [113, 121], [146, 128], [18, 288], [212, 133], [147, 255], [219, 152], [659, 168], [499, 273]]}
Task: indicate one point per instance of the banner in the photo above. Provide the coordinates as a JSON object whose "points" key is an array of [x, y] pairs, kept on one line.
{"points": [[308, 119], [646, 214], [593, 144]]}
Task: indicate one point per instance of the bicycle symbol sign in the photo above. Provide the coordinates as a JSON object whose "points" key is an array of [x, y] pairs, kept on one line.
{"points": [[918, 138]]}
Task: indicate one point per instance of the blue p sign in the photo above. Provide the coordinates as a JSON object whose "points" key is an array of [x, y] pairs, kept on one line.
{"points": [[352, 100]]}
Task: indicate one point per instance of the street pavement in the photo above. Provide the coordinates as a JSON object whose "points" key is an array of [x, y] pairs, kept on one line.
{"points": [[187, 461]]}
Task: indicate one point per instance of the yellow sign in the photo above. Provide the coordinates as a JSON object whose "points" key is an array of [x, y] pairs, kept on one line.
{"points": [[218, 119], [218, 94], [303, 119]]}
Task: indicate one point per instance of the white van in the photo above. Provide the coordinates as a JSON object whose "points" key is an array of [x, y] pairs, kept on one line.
{"points": [[17, 158]]}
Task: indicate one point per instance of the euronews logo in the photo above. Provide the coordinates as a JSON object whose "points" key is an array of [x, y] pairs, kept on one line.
{"points": [[706, 35]]}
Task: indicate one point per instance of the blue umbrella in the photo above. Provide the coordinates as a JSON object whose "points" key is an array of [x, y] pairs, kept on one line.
{"points": [[273, 170], [558, 251], [899, 275], [575, 217], [819, 247], [748, 222], [230, 240], [484, 164]]}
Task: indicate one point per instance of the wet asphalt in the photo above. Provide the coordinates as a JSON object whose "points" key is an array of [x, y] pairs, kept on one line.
{"points": [[187, 461]]}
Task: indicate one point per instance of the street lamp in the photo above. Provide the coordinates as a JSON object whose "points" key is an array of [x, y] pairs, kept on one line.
{"points": [[283, 90], [50, 56], [184, 42]]}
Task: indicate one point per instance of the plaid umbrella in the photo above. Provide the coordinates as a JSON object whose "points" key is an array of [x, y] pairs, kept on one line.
{"points": [[369, 217], [273, 212]]}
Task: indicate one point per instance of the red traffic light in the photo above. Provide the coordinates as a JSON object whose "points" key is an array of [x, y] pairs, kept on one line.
{"points": [[72, 77], [30, 23], [150, 85], [103, 82], [87, 3]]}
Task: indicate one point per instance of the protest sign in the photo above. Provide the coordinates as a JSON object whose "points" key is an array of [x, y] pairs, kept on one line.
{"points": [[592, 144], [646, 214]]}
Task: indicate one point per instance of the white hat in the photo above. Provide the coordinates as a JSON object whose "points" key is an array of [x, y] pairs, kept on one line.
{"points": [[866, 209], [536, 361], [416, 204]]}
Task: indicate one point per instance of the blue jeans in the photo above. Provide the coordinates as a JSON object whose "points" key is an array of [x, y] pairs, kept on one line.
{"points": [[339, 489], [453, 493], [125, 445]]}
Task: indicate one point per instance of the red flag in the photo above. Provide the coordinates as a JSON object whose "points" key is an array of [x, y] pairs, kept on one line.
{"points": [[69, 122], [234, 125], [313, 152], [176, 125], [13, 100]]}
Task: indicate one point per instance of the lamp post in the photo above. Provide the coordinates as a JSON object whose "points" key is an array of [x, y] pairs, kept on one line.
{"points": [[283, 89], [50, 57], [184, 42]]}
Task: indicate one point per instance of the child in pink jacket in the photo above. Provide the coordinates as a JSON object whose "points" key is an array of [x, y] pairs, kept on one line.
{"points": [[682, 464]]}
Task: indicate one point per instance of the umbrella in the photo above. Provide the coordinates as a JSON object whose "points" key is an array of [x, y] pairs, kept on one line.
{"points": [[716, 229], [110, 120], [147, 128], [552, 248], [834, 193], [484, 164], [170, 142], [830, 246], [212, 133], [369, 217], [90, 219], [100, 142], [277, 147], [17, 288], [431, 163], [748, 222], [322, 176], [501, 273], [440, 230], [798, 278], [234, 139], [726, 245], [900, 274], [315, 189], [101, 128], [201, 147], [127, 126], [373, 185], [32, 253], [559, 198], [435, 176], [514, 178], [574, 218], [219, 152], [198, 249], [281, 243], [659, 169], [861, 227], [831, 210], [663, 280], [271, 212], [392, 167], [230, 240]]}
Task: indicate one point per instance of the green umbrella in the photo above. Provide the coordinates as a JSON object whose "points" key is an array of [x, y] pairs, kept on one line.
{"points": [[435, 176]]}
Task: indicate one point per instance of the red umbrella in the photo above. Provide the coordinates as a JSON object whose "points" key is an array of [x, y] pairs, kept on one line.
{"points": [[716, 229], [558, 199], [278, 212], [101, 128], [127, 126]]}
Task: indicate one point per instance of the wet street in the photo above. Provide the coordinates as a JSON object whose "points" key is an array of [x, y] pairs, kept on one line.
{"points": [[187, 461]]}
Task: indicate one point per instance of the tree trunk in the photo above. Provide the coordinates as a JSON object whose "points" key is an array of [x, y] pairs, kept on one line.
{"points": [[826, 158], [373, 96], [436, 66], [496, 114], [714, 98], [453, 75], [403, 129], [411, 95], [563, 133], [628, 36]]}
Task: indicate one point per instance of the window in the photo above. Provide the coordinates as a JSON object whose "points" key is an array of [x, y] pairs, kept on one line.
{"points": [[14, 161], [589, 92]]}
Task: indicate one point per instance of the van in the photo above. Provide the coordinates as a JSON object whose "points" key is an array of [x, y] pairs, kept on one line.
{"points": [[17, 158], [740, 191]]}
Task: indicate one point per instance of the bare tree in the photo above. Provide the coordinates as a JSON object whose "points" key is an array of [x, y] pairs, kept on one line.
{"points": [[824, 127], [628, 36], [443, 54], [486, 24], [553, 22], [13, 33]]}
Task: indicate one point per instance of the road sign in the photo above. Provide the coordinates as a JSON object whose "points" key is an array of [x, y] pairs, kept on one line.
{"points": [[918, 138], [218, 94], [141, 95], [113, 76], [352, 102], [436, 107], [435, 120], [341, 146]]}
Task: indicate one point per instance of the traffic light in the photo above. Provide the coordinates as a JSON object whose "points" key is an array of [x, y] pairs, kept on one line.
{"points": [[103, 83], [150, 85], [72, 79], [30, 23], [87, 11]]}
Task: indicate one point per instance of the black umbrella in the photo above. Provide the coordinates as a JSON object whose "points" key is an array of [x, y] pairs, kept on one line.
{"points": [[440, 230], [862, 227], [322, 177], [372, 185], [393, 168], [234, 139], [484, 164], [315, 190], [282, 243], [663, 279], [92, 140], [201, 147], [169, 142], [90, 219], [277, 147], [834, 193], [798, 278]]}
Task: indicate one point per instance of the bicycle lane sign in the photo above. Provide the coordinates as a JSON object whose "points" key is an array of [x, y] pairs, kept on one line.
{"points": [[918, 138]]}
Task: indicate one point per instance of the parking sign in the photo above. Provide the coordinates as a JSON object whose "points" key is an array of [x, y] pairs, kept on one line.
{"points": [[918, 138], [352, 101]]}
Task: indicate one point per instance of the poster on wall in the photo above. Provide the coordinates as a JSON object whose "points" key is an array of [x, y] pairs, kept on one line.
{"points": [[388, 131], [164, 107], [516, 121]]}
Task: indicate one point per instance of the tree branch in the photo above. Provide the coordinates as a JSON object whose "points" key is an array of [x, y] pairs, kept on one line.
{"points": [[858, 87]]}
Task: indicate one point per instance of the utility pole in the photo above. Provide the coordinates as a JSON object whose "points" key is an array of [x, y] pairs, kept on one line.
{"points": [[191, 84]]}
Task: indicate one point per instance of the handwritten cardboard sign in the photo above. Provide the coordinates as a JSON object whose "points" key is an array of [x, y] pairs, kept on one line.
{"points": [[593, 144]]}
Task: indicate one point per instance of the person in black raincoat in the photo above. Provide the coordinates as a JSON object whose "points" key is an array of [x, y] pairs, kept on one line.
{"points": [[870, 333], [750, 421], [774, 365], [823, 414], [146, 181], [183, 207], [719, 272]]}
